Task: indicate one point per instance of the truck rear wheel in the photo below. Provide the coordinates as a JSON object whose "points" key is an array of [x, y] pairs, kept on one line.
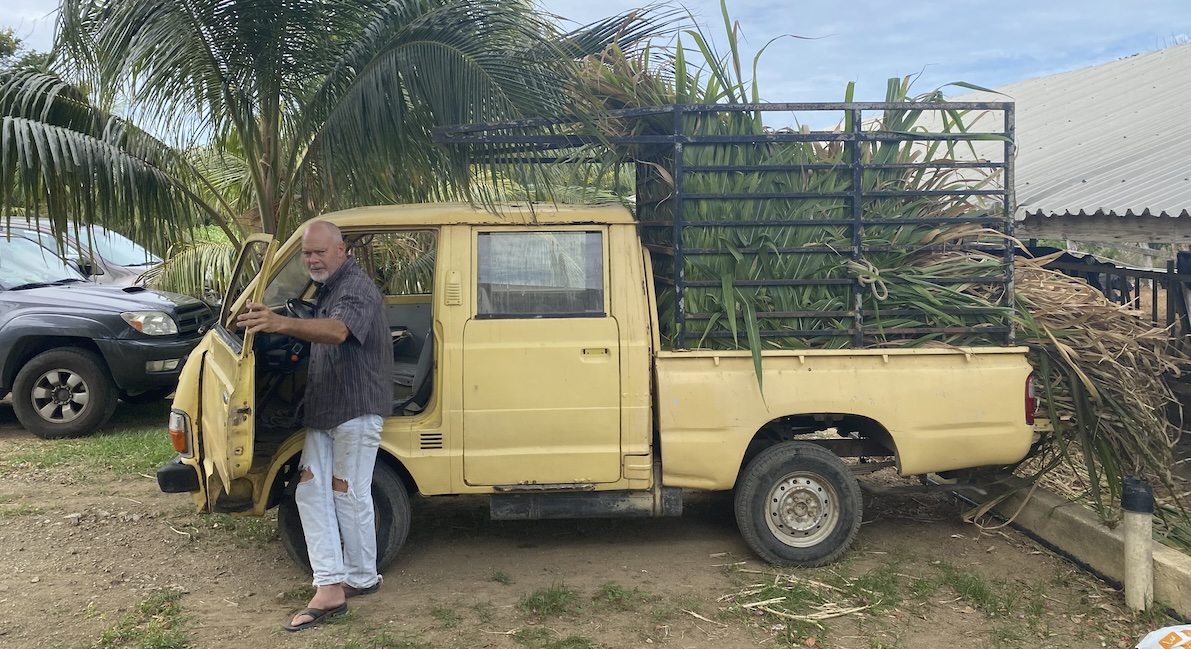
{"points": [[392, 514], [798, 504], [63, 393]]}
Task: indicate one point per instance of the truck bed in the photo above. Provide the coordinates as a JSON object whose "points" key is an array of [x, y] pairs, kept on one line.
{"points": [[938, 408]]}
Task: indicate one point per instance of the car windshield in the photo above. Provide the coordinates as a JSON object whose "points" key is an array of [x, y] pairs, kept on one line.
{"points": [[113, 248], [23, 262], [116, 248]]}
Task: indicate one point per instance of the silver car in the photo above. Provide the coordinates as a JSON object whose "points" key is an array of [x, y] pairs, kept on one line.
{"points": [[104, 256]]}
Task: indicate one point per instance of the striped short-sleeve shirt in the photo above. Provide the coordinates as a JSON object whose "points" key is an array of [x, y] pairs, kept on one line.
{"points": [[352, 378]]}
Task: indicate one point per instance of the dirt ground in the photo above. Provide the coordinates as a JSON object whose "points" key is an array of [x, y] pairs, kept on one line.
{"points": [[80, 554]]}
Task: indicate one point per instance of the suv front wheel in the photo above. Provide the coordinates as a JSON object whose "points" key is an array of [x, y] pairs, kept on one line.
{"points": [[63, 393]]}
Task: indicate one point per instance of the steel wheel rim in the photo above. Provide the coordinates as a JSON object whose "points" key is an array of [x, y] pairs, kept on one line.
{"points": [[60, 396], [802, 509]]}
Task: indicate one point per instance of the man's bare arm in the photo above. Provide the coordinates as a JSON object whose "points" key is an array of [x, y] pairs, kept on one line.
{"points": [[259, 318]]}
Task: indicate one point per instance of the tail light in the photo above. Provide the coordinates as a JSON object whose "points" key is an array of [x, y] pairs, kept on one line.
{"points": [[180, 431], [1031, 400]]}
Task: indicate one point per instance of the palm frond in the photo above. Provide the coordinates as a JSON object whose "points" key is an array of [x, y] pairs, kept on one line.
{"points": [[71, 161], [201, 269]]}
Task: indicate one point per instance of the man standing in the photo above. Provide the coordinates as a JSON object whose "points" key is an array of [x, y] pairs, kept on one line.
{"points": [[346, 397]]}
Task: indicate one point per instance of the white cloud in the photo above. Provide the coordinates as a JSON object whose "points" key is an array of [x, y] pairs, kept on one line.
{"points": [[31, 20], [981, 42]]}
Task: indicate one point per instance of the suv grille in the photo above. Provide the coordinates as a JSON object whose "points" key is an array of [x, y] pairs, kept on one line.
{"points": [[194, 318]]}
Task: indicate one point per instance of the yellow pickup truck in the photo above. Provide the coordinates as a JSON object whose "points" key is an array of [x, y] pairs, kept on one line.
{"points": [[528, 367]]}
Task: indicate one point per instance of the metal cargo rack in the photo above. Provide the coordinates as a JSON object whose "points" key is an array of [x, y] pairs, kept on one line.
{"points": [[676, 210]]}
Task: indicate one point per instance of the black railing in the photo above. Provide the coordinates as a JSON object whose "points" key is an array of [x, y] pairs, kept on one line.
{"points": [[1160, 295]]}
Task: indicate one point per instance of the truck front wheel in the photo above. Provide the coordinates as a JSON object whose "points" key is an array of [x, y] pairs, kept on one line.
{"points": [[63, 393], [390, 501], [798, 504]]}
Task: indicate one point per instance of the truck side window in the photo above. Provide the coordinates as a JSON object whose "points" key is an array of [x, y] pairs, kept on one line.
{"points": [[290, 281], [540, 274]]}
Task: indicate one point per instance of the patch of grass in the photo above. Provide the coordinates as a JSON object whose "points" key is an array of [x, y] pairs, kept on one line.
{"points": [[979, 592], [447, 616], [613, 595], [667, 610], [793, 597], [244, 531], [879, 587], [483, 611], [921, 589], [552, 601], [1005, 636], [298, 594], [502, 577], [156, 624], [571, 642], [539, 638], [885, 641], [386, 641], [14, 511], [347, 618], [124, 453], [1064, 578]]}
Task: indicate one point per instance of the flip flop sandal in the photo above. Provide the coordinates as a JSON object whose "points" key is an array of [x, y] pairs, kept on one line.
{"points": [[318, 616]]}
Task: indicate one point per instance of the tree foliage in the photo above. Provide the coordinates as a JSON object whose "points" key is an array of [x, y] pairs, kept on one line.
{"points": [[159, 117]]}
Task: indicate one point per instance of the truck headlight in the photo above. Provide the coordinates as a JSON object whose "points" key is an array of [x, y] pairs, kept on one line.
{"points": [[153, 323]]}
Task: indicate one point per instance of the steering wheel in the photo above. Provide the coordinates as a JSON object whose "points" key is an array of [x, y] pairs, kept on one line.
{"points": [[299, 308], [281, 353]]}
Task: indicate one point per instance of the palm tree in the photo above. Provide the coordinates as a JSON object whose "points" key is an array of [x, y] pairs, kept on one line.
{"points": [[316, 104]]}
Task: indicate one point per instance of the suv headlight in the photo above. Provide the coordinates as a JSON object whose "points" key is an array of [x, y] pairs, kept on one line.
{"points": [[153, 323]]}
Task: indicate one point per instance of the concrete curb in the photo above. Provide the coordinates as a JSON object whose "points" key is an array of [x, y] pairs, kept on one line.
{"points": [[1076, 531]]}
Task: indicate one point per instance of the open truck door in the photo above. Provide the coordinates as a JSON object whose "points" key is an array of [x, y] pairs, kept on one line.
{"points": [[229, 381]]}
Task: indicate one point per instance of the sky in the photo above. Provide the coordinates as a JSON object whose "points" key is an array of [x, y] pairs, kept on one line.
{"points": [[989, 43]]}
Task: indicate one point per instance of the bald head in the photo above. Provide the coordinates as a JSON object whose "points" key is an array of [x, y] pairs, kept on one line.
{"points": [[323, 250]]}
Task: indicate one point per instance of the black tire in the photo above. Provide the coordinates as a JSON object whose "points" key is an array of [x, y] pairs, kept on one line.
{"points": [[391, 502], [63, 393], [798, 504], [151, 396]]}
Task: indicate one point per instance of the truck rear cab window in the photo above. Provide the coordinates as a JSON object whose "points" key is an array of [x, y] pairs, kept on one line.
{"points": [[540, 275]]}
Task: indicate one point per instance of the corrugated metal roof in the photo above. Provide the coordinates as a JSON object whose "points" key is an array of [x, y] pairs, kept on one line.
{"points": [[1109, 139]]}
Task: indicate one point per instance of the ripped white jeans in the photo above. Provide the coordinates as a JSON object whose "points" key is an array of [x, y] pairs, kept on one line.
{"points": [[339, 527]]}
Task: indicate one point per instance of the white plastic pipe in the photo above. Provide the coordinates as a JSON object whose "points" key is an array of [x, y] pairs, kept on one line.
{"points": [[1137, 504]]}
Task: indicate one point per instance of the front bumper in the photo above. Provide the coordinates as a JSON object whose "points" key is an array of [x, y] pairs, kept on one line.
{"points": [[175, 477], [127, 361]]}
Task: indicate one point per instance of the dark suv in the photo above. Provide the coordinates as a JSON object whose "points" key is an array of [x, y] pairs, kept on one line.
{"points": [[69, 349]]}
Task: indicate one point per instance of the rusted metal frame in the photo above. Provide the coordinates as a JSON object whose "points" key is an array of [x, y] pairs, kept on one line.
{"points": [[857, 214], [679, 270], [1008, 208], [818, 223], [848, 313]]}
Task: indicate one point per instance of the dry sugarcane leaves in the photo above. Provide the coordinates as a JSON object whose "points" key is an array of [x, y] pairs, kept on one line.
{"points": [[1116, 419]]}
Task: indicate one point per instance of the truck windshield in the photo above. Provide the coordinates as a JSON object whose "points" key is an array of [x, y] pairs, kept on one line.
{"points": [[24, 263]]}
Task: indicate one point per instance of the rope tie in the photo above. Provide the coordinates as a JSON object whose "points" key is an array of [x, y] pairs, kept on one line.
{"points": [[868, 275]]}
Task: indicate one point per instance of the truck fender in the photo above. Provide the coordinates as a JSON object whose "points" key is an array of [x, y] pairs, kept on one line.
{"points": [[39, 326]]}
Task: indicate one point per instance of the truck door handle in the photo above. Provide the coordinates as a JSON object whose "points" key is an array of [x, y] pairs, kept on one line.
{"points": [[595, 351]]}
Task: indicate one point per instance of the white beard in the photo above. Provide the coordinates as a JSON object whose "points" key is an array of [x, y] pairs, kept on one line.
{"points": [[319, 276]]}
